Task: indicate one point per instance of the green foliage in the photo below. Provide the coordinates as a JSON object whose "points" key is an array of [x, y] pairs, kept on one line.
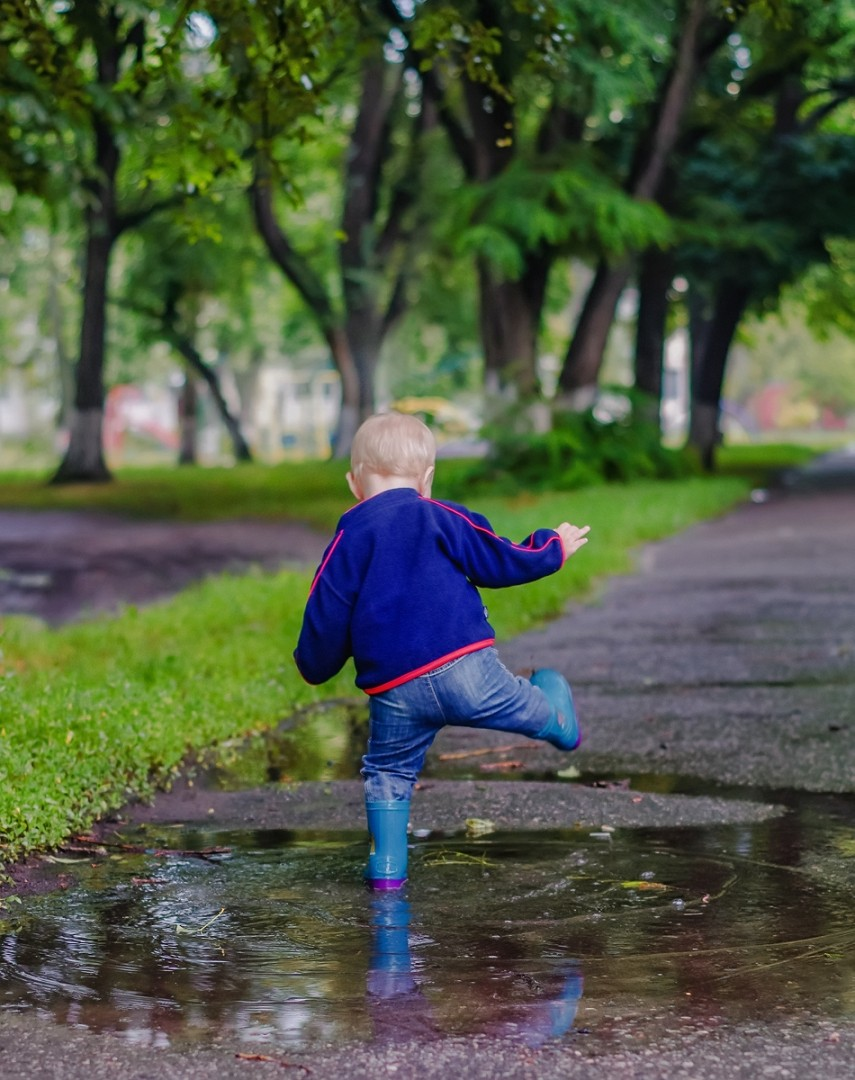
{"points": [[829, 291], [579, 450], [577, 207], [459, 43], [765, 185]]}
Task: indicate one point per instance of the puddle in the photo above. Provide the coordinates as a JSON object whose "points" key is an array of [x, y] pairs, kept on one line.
{"points": [[260, 939], [320, 742], [530, 937]]}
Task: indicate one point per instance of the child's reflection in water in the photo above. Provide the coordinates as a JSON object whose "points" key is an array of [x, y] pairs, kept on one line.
{"points": [[400, 1010]]}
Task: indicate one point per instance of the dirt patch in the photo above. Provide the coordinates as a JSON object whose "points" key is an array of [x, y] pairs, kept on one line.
{"points": [[59, 566]]}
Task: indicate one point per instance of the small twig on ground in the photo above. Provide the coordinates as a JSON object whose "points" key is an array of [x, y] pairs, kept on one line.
{"points": [[278, 1061], [458, 755]]}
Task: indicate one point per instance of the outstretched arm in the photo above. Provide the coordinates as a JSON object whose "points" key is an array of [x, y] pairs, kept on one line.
{"points": [[495, 562]]}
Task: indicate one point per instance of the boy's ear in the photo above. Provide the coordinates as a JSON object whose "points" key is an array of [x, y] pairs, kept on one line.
{"points": [[427, 481], [355, 487]]}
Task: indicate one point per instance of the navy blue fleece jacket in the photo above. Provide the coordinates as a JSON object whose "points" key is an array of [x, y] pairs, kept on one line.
{"points": [[397, 588]]}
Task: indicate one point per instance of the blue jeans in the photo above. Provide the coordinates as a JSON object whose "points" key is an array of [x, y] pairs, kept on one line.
{"points": [[475, 690]]}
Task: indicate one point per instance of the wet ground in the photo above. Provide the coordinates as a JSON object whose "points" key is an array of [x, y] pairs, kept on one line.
{"points": [[672, 900], [58, 565]]}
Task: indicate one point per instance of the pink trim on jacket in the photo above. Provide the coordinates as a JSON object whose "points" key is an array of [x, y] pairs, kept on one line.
{"points": [[323, 565], [490, 532], [476, 646]]}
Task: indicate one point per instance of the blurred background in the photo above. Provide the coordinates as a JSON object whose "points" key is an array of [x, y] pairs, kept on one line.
{"points": [[232, 231]]}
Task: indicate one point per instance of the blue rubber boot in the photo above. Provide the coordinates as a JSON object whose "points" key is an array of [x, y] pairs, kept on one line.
{"points": [[563, 728], [387, 853]]}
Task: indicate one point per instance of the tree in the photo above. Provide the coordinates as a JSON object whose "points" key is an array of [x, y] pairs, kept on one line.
{"points": [[133, 106], [700, 31], [92, 69], [772, 186], [520, 97], [190, 269], [379, 219]]}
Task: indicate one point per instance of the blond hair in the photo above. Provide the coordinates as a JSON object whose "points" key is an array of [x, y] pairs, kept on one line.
{"points": [[393, 444]]}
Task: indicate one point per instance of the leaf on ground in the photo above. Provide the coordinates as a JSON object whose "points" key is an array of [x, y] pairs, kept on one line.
{"points": [[570, 773]]}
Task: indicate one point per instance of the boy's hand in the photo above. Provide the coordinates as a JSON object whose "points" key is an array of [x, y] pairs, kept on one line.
{"points": [[572, 537]]}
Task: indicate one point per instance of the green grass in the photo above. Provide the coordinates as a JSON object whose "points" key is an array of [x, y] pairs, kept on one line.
{"points": [[95, 712], [308, 491]]}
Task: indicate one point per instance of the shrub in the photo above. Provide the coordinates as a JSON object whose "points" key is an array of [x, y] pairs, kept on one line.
{"points": [[581, 449]]}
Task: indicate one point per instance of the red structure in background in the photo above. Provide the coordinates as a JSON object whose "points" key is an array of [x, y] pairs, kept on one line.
{"points": [[128, 411]]}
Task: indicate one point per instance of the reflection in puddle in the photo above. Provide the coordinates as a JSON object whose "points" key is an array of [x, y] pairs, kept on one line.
{"points": [[526, 936]]}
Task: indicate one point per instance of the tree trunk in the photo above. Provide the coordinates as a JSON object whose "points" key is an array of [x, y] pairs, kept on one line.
{"points": [[55, 320], [354, 338], [363, 329], [654, 280], [581, 370], [188, 402], [350, 412], [317, 300], [509, 319], [190, 353], [708, 367], [84, 457], [584, 358], [367, 240]]}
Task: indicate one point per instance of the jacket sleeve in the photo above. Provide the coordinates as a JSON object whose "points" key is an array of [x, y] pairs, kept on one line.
{"points": [[324, 645], [493, 561]]}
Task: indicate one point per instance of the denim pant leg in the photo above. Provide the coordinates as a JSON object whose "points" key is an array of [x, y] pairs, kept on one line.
{"points": [[402, 724], [476, 690], [479, 691]]}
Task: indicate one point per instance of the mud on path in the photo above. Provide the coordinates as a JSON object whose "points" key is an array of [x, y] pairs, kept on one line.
{"points": [[61, 565]]}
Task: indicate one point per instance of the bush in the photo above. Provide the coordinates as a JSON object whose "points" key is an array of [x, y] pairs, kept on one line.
{"points": [[580, 450]]}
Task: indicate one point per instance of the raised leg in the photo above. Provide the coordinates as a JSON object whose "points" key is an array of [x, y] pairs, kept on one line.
{"points": [[563, 727]]}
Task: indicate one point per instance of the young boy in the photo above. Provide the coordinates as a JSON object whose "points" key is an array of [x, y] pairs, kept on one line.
{"points": [[397, 589]]}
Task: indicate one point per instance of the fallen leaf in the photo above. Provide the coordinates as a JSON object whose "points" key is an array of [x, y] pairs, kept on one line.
{"points": [[570, 773], [479, 826]]}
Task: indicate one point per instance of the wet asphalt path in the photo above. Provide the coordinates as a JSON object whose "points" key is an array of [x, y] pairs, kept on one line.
{"points": [[729, 656]]}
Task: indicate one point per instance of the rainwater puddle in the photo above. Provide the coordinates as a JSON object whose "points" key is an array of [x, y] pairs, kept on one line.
{"points": [[531, 937]]}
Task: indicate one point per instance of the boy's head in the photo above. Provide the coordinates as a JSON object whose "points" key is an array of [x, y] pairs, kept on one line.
{"points": [[391, 450]]}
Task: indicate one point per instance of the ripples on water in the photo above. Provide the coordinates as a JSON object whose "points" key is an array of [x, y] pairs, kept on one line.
{"points": [[528, 936]]}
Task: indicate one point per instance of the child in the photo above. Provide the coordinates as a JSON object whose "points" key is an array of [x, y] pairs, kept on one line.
{"points": [[397, 589]]}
